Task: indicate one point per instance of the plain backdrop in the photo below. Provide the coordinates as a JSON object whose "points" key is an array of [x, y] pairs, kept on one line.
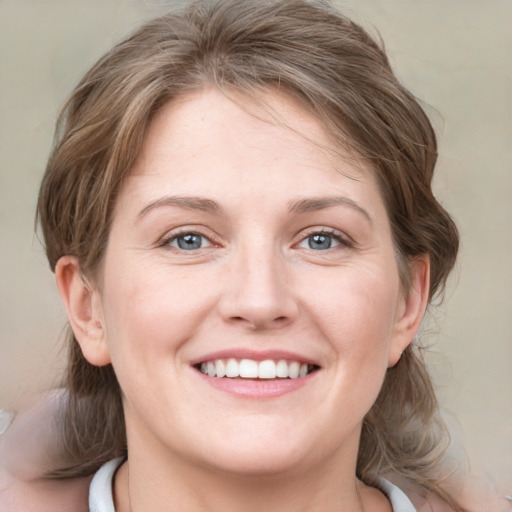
{"points": [[455, 55]]}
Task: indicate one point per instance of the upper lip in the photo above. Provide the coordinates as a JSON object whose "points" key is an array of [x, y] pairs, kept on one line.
{"points": [[256, 355]]}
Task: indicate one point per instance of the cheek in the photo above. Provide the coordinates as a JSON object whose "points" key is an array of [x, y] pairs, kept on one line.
{"points": [[357, 318], [153, 311], [356, 314], [356, 309]]}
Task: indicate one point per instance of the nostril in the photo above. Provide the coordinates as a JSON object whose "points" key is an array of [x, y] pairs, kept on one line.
{"points": [[259, 323]]}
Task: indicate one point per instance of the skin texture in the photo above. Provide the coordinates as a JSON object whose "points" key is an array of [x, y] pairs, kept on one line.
{"points": [[252, 297], [24, 456], [255, 284]]}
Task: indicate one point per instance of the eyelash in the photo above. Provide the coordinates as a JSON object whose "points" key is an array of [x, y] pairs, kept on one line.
{"points": [[343, 240], [166, 242], [340, 238]]}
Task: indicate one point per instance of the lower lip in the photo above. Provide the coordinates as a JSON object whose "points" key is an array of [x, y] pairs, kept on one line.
{"points": [[257, 388]]}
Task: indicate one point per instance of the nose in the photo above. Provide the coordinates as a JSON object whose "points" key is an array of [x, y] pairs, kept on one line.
{"points": [[259, 292]]}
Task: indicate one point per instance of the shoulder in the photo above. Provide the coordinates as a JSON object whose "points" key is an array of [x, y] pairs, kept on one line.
{"points": [[23, 459], [40, 495]]}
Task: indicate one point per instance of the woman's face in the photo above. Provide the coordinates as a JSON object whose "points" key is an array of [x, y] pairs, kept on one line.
{"points": [[240, 245]]}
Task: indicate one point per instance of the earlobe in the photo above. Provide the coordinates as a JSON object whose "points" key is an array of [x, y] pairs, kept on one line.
{"points": [[412, 308], [82, 303]]}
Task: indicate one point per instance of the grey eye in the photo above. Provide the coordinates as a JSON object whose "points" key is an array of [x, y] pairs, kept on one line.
{"points": [[189, 241], [319, 241]]}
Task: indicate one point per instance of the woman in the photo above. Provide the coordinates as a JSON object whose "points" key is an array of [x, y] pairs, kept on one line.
{"points": [[239, 215]]}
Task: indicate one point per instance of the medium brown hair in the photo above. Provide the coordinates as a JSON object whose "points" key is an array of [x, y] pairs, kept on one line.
{"points": [[337, 72]]}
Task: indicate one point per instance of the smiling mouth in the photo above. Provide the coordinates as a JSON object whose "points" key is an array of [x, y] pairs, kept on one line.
{"points": [[250, 369]]}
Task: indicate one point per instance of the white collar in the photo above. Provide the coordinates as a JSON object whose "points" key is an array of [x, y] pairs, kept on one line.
{"points": [[102, 500]]}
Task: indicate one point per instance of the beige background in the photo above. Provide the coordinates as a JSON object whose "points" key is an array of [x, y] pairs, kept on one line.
{"points": [[456, 55]]}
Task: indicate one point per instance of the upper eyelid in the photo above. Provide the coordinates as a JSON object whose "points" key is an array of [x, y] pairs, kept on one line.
{"points": [[341, 235], [172, 234], [215, 239]]}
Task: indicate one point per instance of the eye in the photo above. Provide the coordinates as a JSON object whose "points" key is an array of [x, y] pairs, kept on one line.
{"points": [[323, 240], [319, 241], [188, 241]]}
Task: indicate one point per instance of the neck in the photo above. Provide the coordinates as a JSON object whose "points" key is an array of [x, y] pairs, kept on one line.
{"points": [[150, 484]]}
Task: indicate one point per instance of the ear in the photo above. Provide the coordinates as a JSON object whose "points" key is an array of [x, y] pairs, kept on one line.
{"points": [[411, 308], [83, 305]]}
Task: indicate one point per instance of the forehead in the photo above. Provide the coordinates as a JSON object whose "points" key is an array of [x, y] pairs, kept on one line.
{"points": [[223, 144]]}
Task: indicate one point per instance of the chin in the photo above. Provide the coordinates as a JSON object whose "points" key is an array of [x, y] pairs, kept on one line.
{"points": [[264, 453], [258, 462]]}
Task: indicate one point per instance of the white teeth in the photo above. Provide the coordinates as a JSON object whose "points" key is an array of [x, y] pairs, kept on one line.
{"points": [[220, 368], [232, 369], [267, 369], [282, 369], [293, 370], [250, 369]]}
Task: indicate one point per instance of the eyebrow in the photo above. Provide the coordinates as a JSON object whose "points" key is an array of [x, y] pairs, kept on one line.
{"points": [[319, 203], [189, 203], [208, 205]]}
